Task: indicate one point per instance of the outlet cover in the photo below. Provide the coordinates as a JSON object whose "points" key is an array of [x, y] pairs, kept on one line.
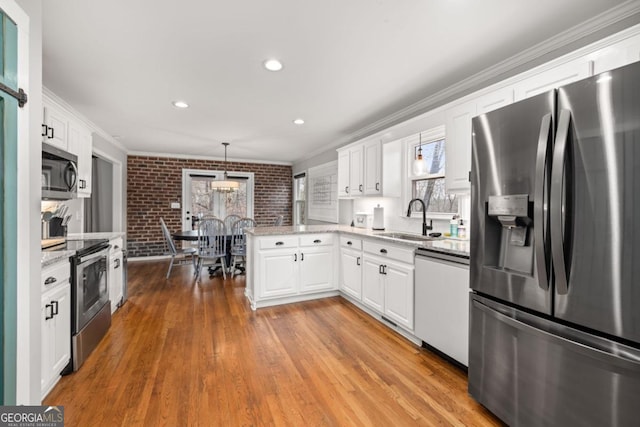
{"points": [[175, 205]]}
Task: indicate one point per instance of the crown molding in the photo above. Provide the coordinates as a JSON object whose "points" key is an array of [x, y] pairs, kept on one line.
{"points": [[64, 105], [563, 39], [199, 157]]}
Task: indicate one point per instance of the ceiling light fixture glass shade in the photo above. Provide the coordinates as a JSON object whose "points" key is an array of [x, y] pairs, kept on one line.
{"points": [[180, 104], [273, 65], [225, 185], [419, 163]]}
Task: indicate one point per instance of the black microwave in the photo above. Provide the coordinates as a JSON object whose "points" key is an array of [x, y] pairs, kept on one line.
{"points": [[59, 173]]}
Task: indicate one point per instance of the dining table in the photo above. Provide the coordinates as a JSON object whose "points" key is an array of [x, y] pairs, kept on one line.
{"points": [[192, 236]]}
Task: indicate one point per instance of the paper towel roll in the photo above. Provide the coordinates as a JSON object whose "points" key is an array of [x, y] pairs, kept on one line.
{"points": [[378, 218]]}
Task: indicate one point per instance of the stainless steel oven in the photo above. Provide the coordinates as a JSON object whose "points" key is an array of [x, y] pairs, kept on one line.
{"points": [[91, 317]]}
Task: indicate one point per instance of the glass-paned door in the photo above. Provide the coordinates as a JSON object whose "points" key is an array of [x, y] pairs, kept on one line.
{"points": [[8, 201], [200, 198]]}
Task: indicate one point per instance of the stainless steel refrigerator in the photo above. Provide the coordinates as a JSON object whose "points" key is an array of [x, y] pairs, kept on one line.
{"points": [[555, 255]]}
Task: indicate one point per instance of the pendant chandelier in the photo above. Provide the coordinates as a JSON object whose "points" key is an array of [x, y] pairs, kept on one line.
{"points": [[419, 164], [225, 185]]}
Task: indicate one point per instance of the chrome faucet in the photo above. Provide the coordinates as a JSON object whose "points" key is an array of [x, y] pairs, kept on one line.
{"points": [[425, 227]]}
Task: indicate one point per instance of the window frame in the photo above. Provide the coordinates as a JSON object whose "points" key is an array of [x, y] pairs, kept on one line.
{"points": [[410, 144]]}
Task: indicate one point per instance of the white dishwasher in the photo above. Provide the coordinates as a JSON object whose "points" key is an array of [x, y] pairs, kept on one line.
{"points": [[442, 303]]}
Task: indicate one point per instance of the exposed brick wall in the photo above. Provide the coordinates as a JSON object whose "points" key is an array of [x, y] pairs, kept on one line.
{"points": [[154, 182]]}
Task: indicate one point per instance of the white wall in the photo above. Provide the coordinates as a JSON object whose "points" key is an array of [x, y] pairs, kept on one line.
{"points": [[29, 165]]}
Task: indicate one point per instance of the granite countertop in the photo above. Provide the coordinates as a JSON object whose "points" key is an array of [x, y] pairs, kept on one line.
{"points": [[458, 247], [52, 257], [103, 235]]}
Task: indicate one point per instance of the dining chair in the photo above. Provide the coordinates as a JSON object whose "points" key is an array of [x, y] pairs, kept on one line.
{"points": [[230, 220], [278, 221], [175, 252], [239, 241], [212, 244]]}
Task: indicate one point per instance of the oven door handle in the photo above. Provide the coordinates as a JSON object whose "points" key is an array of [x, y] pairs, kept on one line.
{"points": [[90, 257]]}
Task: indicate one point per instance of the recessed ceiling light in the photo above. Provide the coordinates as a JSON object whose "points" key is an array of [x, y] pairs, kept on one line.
{"points": [[298, 121], [180, 104], [273, 65]]}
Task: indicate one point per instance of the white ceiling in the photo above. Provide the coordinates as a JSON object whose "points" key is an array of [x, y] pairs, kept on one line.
{"points": [[348, 63]]}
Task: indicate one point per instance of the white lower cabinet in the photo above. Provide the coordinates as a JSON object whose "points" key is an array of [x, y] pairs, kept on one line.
{"points": [[290, 267], [277, 272], [387, 283], [55, 318], [115, 276], [351, 272]]}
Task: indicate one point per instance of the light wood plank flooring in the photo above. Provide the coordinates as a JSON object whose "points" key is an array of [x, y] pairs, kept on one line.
{"points": [[185, 354]]}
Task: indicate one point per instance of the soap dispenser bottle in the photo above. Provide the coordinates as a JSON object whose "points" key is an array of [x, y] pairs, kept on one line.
{"points": [[453, 226]]}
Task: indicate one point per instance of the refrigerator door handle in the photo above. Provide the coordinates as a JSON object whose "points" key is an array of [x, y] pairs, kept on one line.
{"points": [[623, 359], [556, 203], [540, 205]]}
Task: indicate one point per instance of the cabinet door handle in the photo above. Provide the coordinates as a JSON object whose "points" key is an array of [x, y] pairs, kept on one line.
{"points": [[295, 257], [349, 243], [54, 310], [383, 251], [117, 263], [377, 186], [45, 129], [360, 188], [380, 269], [50, 280], [52, 133], [317, 241], [346, 189], [279, 243], [357, 260], [47, 317], [302, 256], [384, 269]]}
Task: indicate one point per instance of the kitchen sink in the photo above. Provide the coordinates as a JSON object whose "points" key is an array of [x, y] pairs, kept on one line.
{"points": [[407, 236]]}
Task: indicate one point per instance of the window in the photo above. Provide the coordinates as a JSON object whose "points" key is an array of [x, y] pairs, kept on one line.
{"points": [[428, 181], [299, 197]]}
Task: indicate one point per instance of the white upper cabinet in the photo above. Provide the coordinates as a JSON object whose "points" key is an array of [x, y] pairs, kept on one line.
{"points": [[553, 78], [620, 54], [68, 133], [373, 168], [80, 143], [343, 173], [54, 129], [458, 146], [494, 100], [356, 185], [360, 170]]}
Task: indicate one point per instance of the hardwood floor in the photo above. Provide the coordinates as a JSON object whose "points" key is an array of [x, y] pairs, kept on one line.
{"points": [[186, 354]]}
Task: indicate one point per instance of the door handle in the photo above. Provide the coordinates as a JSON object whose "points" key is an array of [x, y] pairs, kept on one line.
{"points": [[360, 188], [346, 189], [52, 133], [45, 129], [556, 201], [302, 256], [295, 257], [357, 260], [380, 269], [541, 192], [54, 310], [377, 186]]}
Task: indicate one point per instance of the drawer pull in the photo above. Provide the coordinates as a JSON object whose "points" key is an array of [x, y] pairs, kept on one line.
{"points": [[383, 251], [349, 243], [317, 241], [50, 280], [46, 316], [279, 243]]}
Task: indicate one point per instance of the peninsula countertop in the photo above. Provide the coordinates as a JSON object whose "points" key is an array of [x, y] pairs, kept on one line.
{"points": [[458, 247]]}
